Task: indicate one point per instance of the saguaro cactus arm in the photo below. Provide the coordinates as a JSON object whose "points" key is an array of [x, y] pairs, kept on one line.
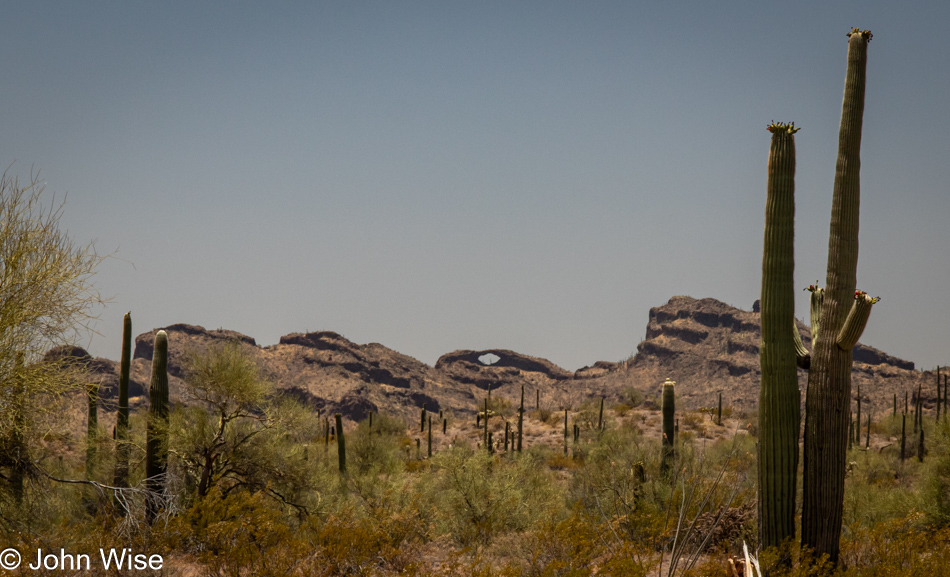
{"points": [[817, 298], [856, 321]]}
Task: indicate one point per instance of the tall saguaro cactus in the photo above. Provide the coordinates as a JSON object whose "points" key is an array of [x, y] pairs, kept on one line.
{"points": [[779, 399], [156, 445], [829, 377], [122, 448], [669, 416]]}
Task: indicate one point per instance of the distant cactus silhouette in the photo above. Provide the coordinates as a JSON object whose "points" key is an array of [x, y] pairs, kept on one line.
{"points": [[122, 447], [340, 443], [156, 445], [669, 415]]}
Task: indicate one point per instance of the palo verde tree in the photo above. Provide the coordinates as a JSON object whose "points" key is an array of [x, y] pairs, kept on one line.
{"points": [[235, 432], [46, 299]]}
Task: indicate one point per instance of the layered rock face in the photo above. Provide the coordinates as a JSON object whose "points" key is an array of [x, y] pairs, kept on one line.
{"points": [[705, 345]]}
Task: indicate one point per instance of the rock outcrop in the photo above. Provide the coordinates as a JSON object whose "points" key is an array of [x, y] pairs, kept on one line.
{"points": [[708, 346], [705, 345]]}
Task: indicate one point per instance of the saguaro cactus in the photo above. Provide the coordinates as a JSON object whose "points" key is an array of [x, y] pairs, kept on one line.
{"points": [[122, 448], [340, 443], [857, 437], [669, 426], [487, 433], [903, 436], [565, 432], [156, 445], [520, 419], [92, 429], [829, 377], [779, 399], [719, 411]]}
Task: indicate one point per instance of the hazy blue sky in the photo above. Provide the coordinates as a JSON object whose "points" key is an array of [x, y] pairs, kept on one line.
{"points": [[464, 175]]}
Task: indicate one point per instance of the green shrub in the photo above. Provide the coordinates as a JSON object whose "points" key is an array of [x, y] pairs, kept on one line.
{"points": [[478, 496]]}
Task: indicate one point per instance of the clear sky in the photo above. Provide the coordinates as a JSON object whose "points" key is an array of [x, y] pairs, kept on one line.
{"points": [[466, 175]]}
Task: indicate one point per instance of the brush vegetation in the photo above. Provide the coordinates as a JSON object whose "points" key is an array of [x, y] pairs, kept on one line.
{"points": [[252, 487]]}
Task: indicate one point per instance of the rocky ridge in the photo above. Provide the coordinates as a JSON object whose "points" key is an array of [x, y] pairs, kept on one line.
{"points": [[705, 345]]}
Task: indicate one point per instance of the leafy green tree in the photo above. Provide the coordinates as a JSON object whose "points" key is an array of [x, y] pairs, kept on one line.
{"points": [[236, 432], [46, 299]]}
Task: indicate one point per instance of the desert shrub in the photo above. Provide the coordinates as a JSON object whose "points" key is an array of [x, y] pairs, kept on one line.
{"points": [[569, 546], [588, 414], [385, 424], [877, 489], [374, 450], [616, 485], [936, 478], [900, 546], [239, 534], [501, 407], [621, 409], [694, 421], [477, 496], [354, 542], [708, 497], [558, 461], [749, 421], [632, 396]]}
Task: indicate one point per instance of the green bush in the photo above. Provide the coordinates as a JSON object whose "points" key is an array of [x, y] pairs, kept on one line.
{"points": [[478, 496]]}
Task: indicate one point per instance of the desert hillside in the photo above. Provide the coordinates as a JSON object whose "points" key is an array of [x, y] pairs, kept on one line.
{"points": [[705, 345]]}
